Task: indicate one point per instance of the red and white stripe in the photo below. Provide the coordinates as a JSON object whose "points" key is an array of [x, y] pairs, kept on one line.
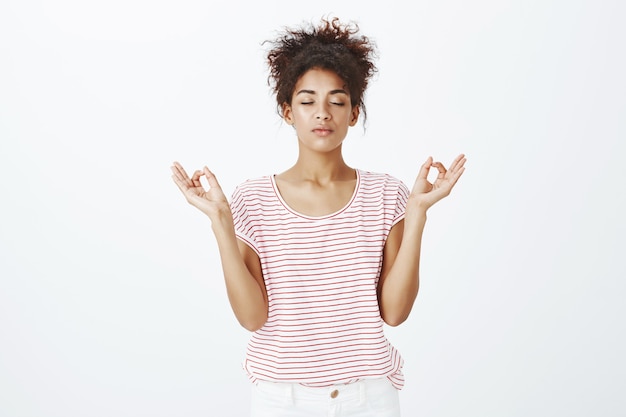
{"points": [[324, 325]]}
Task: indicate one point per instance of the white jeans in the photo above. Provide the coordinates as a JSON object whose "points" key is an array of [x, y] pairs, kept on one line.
{"points": [[366, 398]]}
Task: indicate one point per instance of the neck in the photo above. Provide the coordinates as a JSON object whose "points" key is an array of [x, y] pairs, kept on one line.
{"points": [[321, 168]]}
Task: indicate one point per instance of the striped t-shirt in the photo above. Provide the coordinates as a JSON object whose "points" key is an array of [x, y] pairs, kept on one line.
{"points": [[324, 325]]}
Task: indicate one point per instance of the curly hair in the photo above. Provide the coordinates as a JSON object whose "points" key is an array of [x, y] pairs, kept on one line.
{"points": [[332, 45]]}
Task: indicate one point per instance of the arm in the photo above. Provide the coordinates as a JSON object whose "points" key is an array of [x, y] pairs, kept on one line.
{"points": [[240, 264], [399, 281]]}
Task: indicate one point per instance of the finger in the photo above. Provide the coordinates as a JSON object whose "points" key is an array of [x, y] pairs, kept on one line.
{"points": [[423, 172], [458, 162], [181, 184], [179, 170], [457, 175], [211, 178], [195, 179], [455, 166], [180, 178], [458, 168], [442, 170], [454, 176]]}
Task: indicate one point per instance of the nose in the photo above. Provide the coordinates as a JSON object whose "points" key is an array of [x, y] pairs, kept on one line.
{"points": [[322, 113]]}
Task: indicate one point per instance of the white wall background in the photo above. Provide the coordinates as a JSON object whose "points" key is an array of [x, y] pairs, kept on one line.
{"points": [[111, 296]]}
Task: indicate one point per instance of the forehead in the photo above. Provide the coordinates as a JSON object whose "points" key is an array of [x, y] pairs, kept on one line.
{"points": [[319, 80]]}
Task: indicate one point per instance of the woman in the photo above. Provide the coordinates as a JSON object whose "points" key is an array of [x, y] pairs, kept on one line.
{"points": [[318, 257]]}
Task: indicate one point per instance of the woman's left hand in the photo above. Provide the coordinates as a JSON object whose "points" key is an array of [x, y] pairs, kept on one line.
{"points": [[425, 193]]}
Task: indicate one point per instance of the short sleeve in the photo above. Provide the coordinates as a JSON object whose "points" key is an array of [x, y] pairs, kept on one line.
{"points": [[244, 226], [401, 200]]}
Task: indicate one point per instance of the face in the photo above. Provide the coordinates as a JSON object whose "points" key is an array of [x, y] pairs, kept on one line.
{"points": [[320, 110]]}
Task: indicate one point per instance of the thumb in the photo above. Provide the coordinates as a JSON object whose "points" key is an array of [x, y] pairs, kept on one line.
{"points": [[424, 169], [211, 178]]}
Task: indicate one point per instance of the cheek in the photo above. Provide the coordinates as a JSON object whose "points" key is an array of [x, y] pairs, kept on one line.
{"points": [[301, 114]]}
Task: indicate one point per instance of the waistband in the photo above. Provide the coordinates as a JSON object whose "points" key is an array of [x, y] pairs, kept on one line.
{"points": [[352, 392]]}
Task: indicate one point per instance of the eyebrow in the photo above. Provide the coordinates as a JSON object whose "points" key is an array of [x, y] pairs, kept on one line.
{"points": [[337, 91]]}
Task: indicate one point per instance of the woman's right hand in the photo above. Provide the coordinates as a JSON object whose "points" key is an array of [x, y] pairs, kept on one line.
{"points": [[211, 202]]}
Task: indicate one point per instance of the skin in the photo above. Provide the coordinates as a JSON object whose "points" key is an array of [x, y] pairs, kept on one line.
{"points": [[320, 183]]}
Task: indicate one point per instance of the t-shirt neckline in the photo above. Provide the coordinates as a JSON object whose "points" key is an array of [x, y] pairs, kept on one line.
{"points": [[325, 216]]}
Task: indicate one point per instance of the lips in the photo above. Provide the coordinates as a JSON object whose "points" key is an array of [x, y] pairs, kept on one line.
{"points": [[322, 131]]}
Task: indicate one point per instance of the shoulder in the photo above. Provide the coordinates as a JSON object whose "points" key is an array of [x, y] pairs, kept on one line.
{"points": [[254, 186], [379, 179], [252, 183], [256, 193]]}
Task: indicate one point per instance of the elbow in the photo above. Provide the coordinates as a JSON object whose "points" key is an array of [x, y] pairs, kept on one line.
{"points": [[397, 316], [250, 327], [395, 321], [253, 324]]}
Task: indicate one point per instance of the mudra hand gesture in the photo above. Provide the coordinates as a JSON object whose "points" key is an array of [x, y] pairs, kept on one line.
{"points": [[211, 201], [425, 193]]}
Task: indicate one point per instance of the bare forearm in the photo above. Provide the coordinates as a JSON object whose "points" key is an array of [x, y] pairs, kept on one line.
{"points": [[401, 284], [246, 297]]}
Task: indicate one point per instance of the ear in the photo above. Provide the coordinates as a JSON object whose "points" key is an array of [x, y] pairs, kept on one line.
{"points": [[287, 114], [355, 115]]}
